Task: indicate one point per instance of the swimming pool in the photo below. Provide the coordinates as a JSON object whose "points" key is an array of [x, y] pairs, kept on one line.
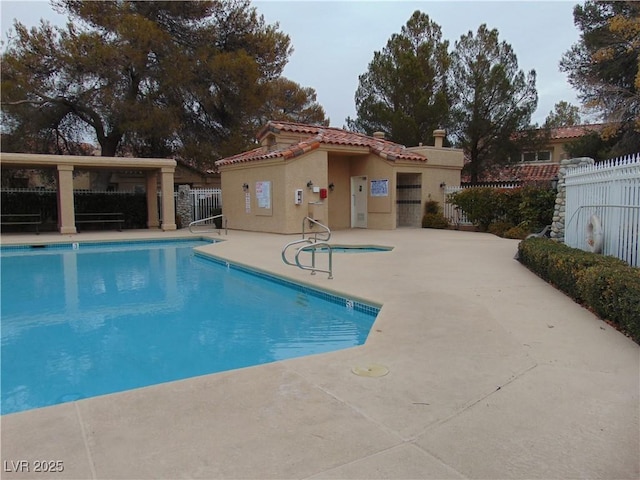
{"points": [[82, 320]]}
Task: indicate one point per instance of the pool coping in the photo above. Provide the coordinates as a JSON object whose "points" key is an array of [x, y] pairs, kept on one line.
{"points": [[492, 374]]}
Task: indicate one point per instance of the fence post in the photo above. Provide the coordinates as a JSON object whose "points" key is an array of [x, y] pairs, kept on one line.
{"points": [[184, 206], [559, 211]]}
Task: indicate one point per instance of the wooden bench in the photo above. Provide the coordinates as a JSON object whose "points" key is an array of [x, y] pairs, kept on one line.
{"points": [[22, 219], [104, 218]]}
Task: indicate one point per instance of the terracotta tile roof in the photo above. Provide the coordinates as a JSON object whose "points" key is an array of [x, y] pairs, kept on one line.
{"points": [[575, 131], [320, 135], [522, 172]]}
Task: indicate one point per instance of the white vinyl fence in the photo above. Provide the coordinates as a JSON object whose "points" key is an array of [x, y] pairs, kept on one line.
{"points": [[609, 190]]}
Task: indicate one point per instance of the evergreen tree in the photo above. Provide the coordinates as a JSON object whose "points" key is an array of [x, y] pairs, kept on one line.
{"points": [[563, 115], [604, 67], [404, 91], [493, 100], [157, 77]]}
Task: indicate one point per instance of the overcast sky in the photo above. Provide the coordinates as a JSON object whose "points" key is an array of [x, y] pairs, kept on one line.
{"points": [[334, 41]]}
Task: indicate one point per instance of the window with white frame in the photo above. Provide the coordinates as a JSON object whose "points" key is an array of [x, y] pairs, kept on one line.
{"points": [[539, 156]]}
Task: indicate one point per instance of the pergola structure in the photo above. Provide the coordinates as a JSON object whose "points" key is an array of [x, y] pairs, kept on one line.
{"points": [[65, 165]]}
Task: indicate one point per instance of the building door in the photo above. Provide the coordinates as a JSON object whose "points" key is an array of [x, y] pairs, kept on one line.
{"points": [[358, 202]]}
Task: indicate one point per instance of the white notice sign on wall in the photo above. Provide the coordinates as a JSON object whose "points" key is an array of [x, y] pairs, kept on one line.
{"points": [[263, 194]]}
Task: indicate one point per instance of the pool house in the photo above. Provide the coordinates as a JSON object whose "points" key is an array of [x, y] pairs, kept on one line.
{"points": [[339, 178]]}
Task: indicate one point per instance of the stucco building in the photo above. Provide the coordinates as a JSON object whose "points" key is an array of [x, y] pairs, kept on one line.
{"points": [[342, 179]]}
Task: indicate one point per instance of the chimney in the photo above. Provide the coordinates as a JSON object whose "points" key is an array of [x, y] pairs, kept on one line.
{"points": [[438, 136], [379, 135]]}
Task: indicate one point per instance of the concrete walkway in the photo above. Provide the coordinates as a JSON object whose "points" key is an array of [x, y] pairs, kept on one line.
{"points": [[492, 374]]}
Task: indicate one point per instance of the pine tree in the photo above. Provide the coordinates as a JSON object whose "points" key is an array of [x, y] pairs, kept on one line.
{"points": [[604, 67], [493, 100], [404, 92]]}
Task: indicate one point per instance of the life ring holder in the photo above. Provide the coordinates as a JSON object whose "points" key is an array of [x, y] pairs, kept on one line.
{"points": [[595, 235]]}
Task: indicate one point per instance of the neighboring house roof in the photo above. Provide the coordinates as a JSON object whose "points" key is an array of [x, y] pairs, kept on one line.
{"points": [[522, 172], [575, 131], [317, 135]]}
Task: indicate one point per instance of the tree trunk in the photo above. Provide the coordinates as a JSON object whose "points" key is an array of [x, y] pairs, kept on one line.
{"points": [[100, 180]]}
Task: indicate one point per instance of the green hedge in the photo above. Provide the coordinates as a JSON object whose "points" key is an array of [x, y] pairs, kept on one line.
{"points": [[606, 285]]}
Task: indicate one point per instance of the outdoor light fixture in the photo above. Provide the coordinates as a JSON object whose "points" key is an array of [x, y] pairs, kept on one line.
{"points": [[245, 187], [554, 183], [331, 186], [309, 184], [443, 184]]}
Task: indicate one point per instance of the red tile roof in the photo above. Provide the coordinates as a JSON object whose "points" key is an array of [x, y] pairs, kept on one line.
{"points": [[320, 135], [522, 172], [575, 131]]}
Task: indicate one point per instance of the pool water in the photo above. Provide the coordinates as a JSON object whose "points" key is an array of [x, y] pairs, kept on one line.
{"points": [[82, 321]]}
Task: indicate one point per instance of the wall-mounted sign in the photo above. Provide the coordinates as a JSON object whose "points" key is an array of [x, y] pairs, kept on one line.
{"points": [[380, 188], [247, 202], [263, 194]]}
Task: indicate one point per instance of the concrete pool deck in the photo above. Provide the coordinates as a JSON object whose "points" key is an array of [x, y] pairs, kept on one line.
{"points": [[492, 374]]}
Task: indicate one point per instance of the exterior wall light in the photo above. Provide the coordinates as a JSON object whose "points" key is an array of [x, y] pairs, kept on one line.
{"points": [[443, 184], [331, 186], [245, 187], [309, 184]]}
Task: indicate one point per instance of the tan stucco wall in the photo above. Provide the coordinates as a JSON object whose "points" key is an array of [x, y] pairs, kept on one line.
{"points": [[311, 167], [285, 177], [340, 197], [323, 167], [381, 211]]}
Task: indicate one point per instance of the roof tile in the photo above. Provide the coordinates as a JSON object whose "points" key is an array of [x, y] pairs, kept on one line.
{"points": [[522, 172], [320, 135]]}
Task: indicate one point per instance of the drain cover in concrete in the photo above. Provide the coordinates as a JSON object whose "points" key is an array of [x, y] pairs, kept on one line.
{"points": [[371, 371]]}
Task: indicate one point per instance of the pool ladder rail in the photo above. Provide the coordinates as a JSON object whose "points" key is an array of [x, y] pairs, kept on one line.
{"points": [[310, 242], [209, 222]]}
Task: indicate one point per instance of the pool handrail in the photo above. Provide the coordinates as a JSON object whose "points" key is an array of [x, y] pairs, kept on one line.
{"points": [[295, 242], [312, 223], [209, 219], [313, 246], [312, 241]]}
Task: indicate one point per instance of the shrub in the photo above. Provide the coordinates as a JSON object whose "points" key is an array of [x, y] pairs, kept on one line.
{"points": [[499, 228], [434, 220], [536, 207], [519, 232], [433, 217], [479, 205], [606, 285], [531, 208]]}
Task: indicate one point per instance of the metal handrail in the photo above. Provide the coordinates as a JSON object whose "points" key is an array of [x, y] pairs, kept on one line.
{"points": [[295, 242], [313, 247], [311, 243], [208, 219], [313, 222]]}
